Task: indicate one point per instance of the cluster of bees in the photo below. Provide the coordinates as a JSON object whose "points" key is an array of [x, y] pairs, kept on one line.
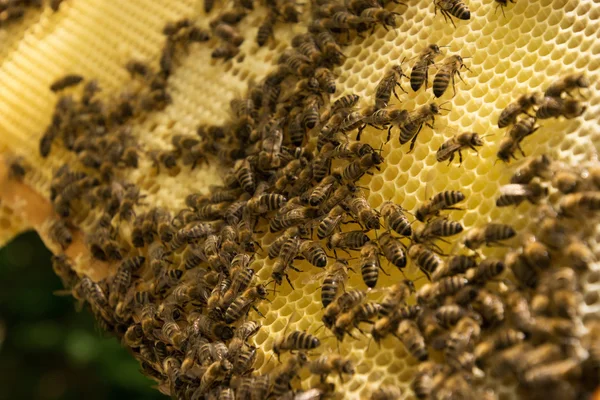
{"points": [[557, 101], [185, 291]]}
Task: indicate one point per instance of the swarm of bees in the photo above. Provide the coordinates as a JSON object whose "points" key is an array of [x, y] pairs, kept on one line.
{"points": [[186, 297]]}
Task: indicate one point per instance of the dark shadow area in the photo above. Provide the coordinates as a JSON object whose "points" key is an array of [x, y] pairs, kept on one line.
{"points": [[48, 350]]}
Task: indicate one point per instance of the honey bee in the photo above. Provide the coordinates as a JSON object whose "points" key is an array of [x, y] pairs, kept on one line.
{"points": [[567, 84], [209, 328], [60, 233], [580, 255], [64, 270], [321, 191], [486, 270], [456, 144], [396, 295], [553, 107], [393, 250], [502, 4], [566, 181], [122, 279], [245, 175], [387, 85], [329, 363], [509, 115], [226, 51], [551, 373], [453, 8], [423, 383], [449, 315], [420, 70], [366, 216], [507, 149], [92, 292], [240, 305], [440, 201], [353, 240], [457, 264], [445, 74], [489, 235], [534, 167], [283, 376], [437, 228], [579, 204], [295, 341], [216, 372], [427, 261], [490, 306], [523, 272], [66, 82], [409, 129], [337, 274], [503, 339], [409, 334], [369, 263], [326, 79], [313, 252], [357, 168], [523, 128], [515, 194], [395, 219]]}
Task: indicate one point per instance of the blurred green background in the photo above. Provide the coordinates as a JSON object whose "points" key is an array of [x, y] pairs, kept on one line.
{"points": [[47, 349]]}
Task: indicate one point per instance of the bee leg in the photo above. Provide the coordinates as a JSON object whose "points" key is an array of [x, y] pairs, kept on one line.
{"points": [[460, 157], [287, 278], [401, 88], [360, 131], [389, 133], [257, 311], [414, 139]]}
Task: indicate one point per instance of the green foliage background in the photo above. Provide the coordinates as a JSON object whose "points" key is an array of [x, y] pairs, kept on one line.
{"points": [[48, 350]]}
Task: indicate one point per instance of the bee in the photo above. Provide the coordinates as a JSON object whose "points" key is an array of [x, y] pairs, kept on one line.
{"points": [[313, 252], [523, 128], [509, 115], [423, 383], [457, 264], [490, 306], [209, 328], [440, 201], [553, 107], [387, 85], [60, 233], [507, 149], [502, 4], [276, 245], [409, 334], [427, 261], [240, 305], [503, 339], [567, 84], [486, 270], [378, 14], [393, 250], [65, 82], [523, 272], [122, 278], [329, 363], [92, 292], [291, 218], [367, 217], [264, 203], [453, 8], [134, 336], [552, 373], [395, 219], [581, 203], [216, 372], [456, 144], [283, 376], [515, 194], [420, 70], [566, 181], [534, 167], [225, 51], [173, 333], [353, 240], [489, 235], [295, 341], [449, 315], [337, 274], [245, 175], [445, 74], [369, 264], [396, 295], [321, 191], [580, 255], [439, 227], [409, 129], [357, 168], [326, 79]]}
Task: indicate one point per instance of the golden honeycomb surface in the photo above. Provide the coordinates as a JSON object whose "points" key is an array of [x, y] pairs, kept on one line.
{"points": [[508, 55]]}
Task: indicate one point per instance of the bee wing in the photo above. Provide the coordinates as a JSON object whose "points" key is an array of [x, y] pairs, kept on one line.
{"points": [[514, 189]]}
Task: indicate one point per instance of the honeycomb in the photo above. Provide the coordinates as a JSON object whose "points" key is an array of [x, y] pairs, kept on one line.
{"points": [[519, 49]]}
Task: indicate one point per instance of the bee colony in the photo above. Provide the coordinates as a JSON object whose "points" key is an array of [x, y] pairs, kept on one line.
{"points": [[335, 199]]}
